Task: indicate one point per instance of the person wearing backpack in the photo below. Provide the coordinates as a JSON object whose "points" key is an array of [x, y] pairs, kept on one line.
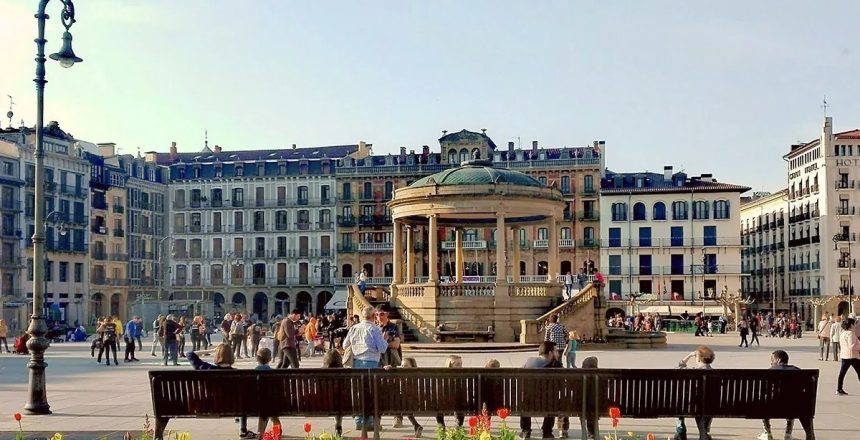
{"points": [[109, 330]]}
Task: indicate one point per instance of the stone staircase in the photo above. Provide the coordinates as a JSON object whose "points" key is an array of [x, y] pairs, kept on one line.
{"points": [[583, 312], [408, 333], [374, 298]]}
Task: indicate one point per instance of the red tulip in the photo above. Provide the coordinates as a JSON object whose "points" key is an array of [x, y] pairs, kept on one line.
{"points": [[503, 413], [614, 412], [307, 428], [473, 421], [17, 417]]}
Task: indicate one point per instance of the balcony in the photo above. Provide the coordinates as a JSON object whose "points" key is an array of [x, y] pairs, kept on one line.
{"points": [[472, 244], [844, 184], [589, 243], [119, 232], [98, 229], [118, 209], [346, 221], [845, 263], [589, 191], [346, 247], [375, 247], [117, 257], [366, 220], [345, 198], [566, 243], [303, 226], [324, 226], [847, 236], [541, 244], [846, 210], [589, 216], [98, 255], [99, 204]]}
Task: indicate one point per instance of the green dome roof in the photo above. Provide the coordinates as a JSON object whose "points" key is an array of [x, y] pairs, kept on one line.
{"points": [[477, 172]]}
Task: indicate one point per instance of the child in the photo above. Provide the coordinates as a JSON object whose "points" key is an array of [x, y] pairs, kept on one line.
{"points": [[332, 359], [264, 356], [453, 361], [570, 349], [398, 421]]}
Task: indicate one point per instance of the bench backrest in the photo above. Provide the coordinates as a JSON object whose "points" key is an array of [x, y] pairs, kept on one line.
{"points": [[751, 394]]}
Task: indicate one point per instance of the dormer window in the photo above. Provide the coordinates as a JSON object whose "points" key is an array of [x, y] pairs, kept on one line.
{"points": [[240, 170], [282, 169], [182, 172], [640, 182], [197, 172], [261, 169], [217, 170]]}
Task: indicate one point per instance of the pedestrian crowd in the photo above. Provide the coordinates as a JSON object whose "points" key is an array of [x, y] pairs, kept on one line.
{"points": [[638, 322]]}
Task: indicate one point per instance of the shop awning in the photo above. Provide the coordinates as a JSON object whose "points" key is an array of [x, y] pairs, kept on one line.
{"points": [[338, 300]]}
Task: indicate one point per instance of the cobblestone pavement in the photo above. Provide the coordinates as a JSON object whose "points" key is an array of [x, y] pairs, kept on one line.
{"points": [[93, 401]]}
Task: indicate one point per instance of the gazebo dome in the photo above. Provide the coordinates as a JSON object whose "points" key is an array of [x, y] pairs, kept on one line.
{"points": [[477, 172]]}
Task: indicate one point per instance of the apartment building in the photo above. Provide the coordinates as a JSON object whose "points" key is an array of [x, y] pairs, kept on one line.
{"points": [[765, 236], [671, 235], [108, 257], [66, 219], [365, 185], [254, 230], [11, 236], [823, 199]]}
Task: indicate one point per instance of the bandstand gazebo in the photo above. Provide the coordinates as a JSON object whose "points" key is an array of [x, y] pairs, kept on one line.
{"points": [[474, 195]]}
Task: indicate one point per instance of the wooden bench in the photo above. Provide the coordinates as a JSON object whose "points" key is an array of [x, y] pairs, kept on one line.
{"points": [[465, 331], [652, 393]]}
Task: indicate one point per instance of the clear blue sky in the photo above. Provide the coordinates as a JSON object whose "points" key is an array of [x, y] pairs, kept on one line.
{"points": [[722, 87]]}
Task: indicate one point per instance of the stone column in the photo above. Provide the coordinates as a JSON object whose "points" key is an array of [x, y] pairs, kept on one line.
{"points": [[501, 250], [458, 252], [552, 260], [433, 238], [397, 276], [410, 256], [515, 251]]}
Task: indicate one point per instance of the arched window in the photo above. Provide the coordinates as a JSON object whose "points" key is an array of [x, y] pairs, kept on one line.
{"points": [[452, 156], [721, 209], [476, 153], [464, 155], [679, 210], [639, 211], [619, 212], [659, 211], [700, 210]]}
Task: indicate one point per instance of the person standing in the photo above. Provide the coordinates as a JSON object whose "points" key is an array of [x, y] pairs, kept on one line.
{"points": [[392, 357], [754, 330], [237, 336], [362, 282], [570, 349], [824, 327], [195, 333], [849, 353], [156, 334], [139, 333], [180, 335], [311, 334], [4, 333], [743, 328], [226, 323], [835, 333], [568, 285], [132, 335], [367, 343], [254, 336], [557, 334], [779, 361], [287, 339], [109, 330], [168, 329]]}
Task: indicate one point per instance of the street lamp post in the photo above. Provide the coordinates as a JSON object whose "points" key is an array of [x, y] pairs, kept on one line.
{"points": [[37, 399], [848, 264]]}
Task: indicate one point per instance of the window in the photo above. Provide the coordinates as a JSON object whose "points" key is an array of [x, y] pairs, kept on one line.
{"points": [[179, 196], [639, 211], [238, 197], [619, 212], [566, 234], [367, 193], [677, 236], [677, 264], [659, 211], [588, 183], [240, 170], [325, 193], [216, 222], [645, 237], [679, 210], [452, 156], [347, 191], [721, 209], [700, 210], [710, 263], [614, 237], [303, 195], [644, 265], [79, 272], [565, 184], [542, 234], [64, 271], [259, 221], [389, 190], [238, 221], [615, 265], [710, 236], [49, 267]]}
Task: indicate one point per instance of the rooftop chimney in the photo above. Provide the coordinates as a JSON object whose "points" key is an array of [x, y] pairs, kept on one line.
{"points": [[173, 153], [294, 146], [402, 151], [667, 172], [510, 147], [425, 150], [217, 148], [707, 178], [534, 146], [107, 149]]}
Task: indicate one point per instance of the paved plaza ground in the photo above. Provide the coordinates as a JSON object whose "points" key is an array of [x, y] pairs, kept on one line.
{"points": [[92, 401]]}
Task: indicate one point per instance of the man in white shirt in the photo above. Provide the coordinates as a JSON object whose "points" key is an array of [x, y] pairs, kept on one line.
{"points": [[824, 338]]}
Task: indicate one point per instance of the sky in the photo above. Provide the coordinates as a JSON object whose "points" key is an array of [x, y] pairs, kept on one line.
{"points": [[709, 87]]}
